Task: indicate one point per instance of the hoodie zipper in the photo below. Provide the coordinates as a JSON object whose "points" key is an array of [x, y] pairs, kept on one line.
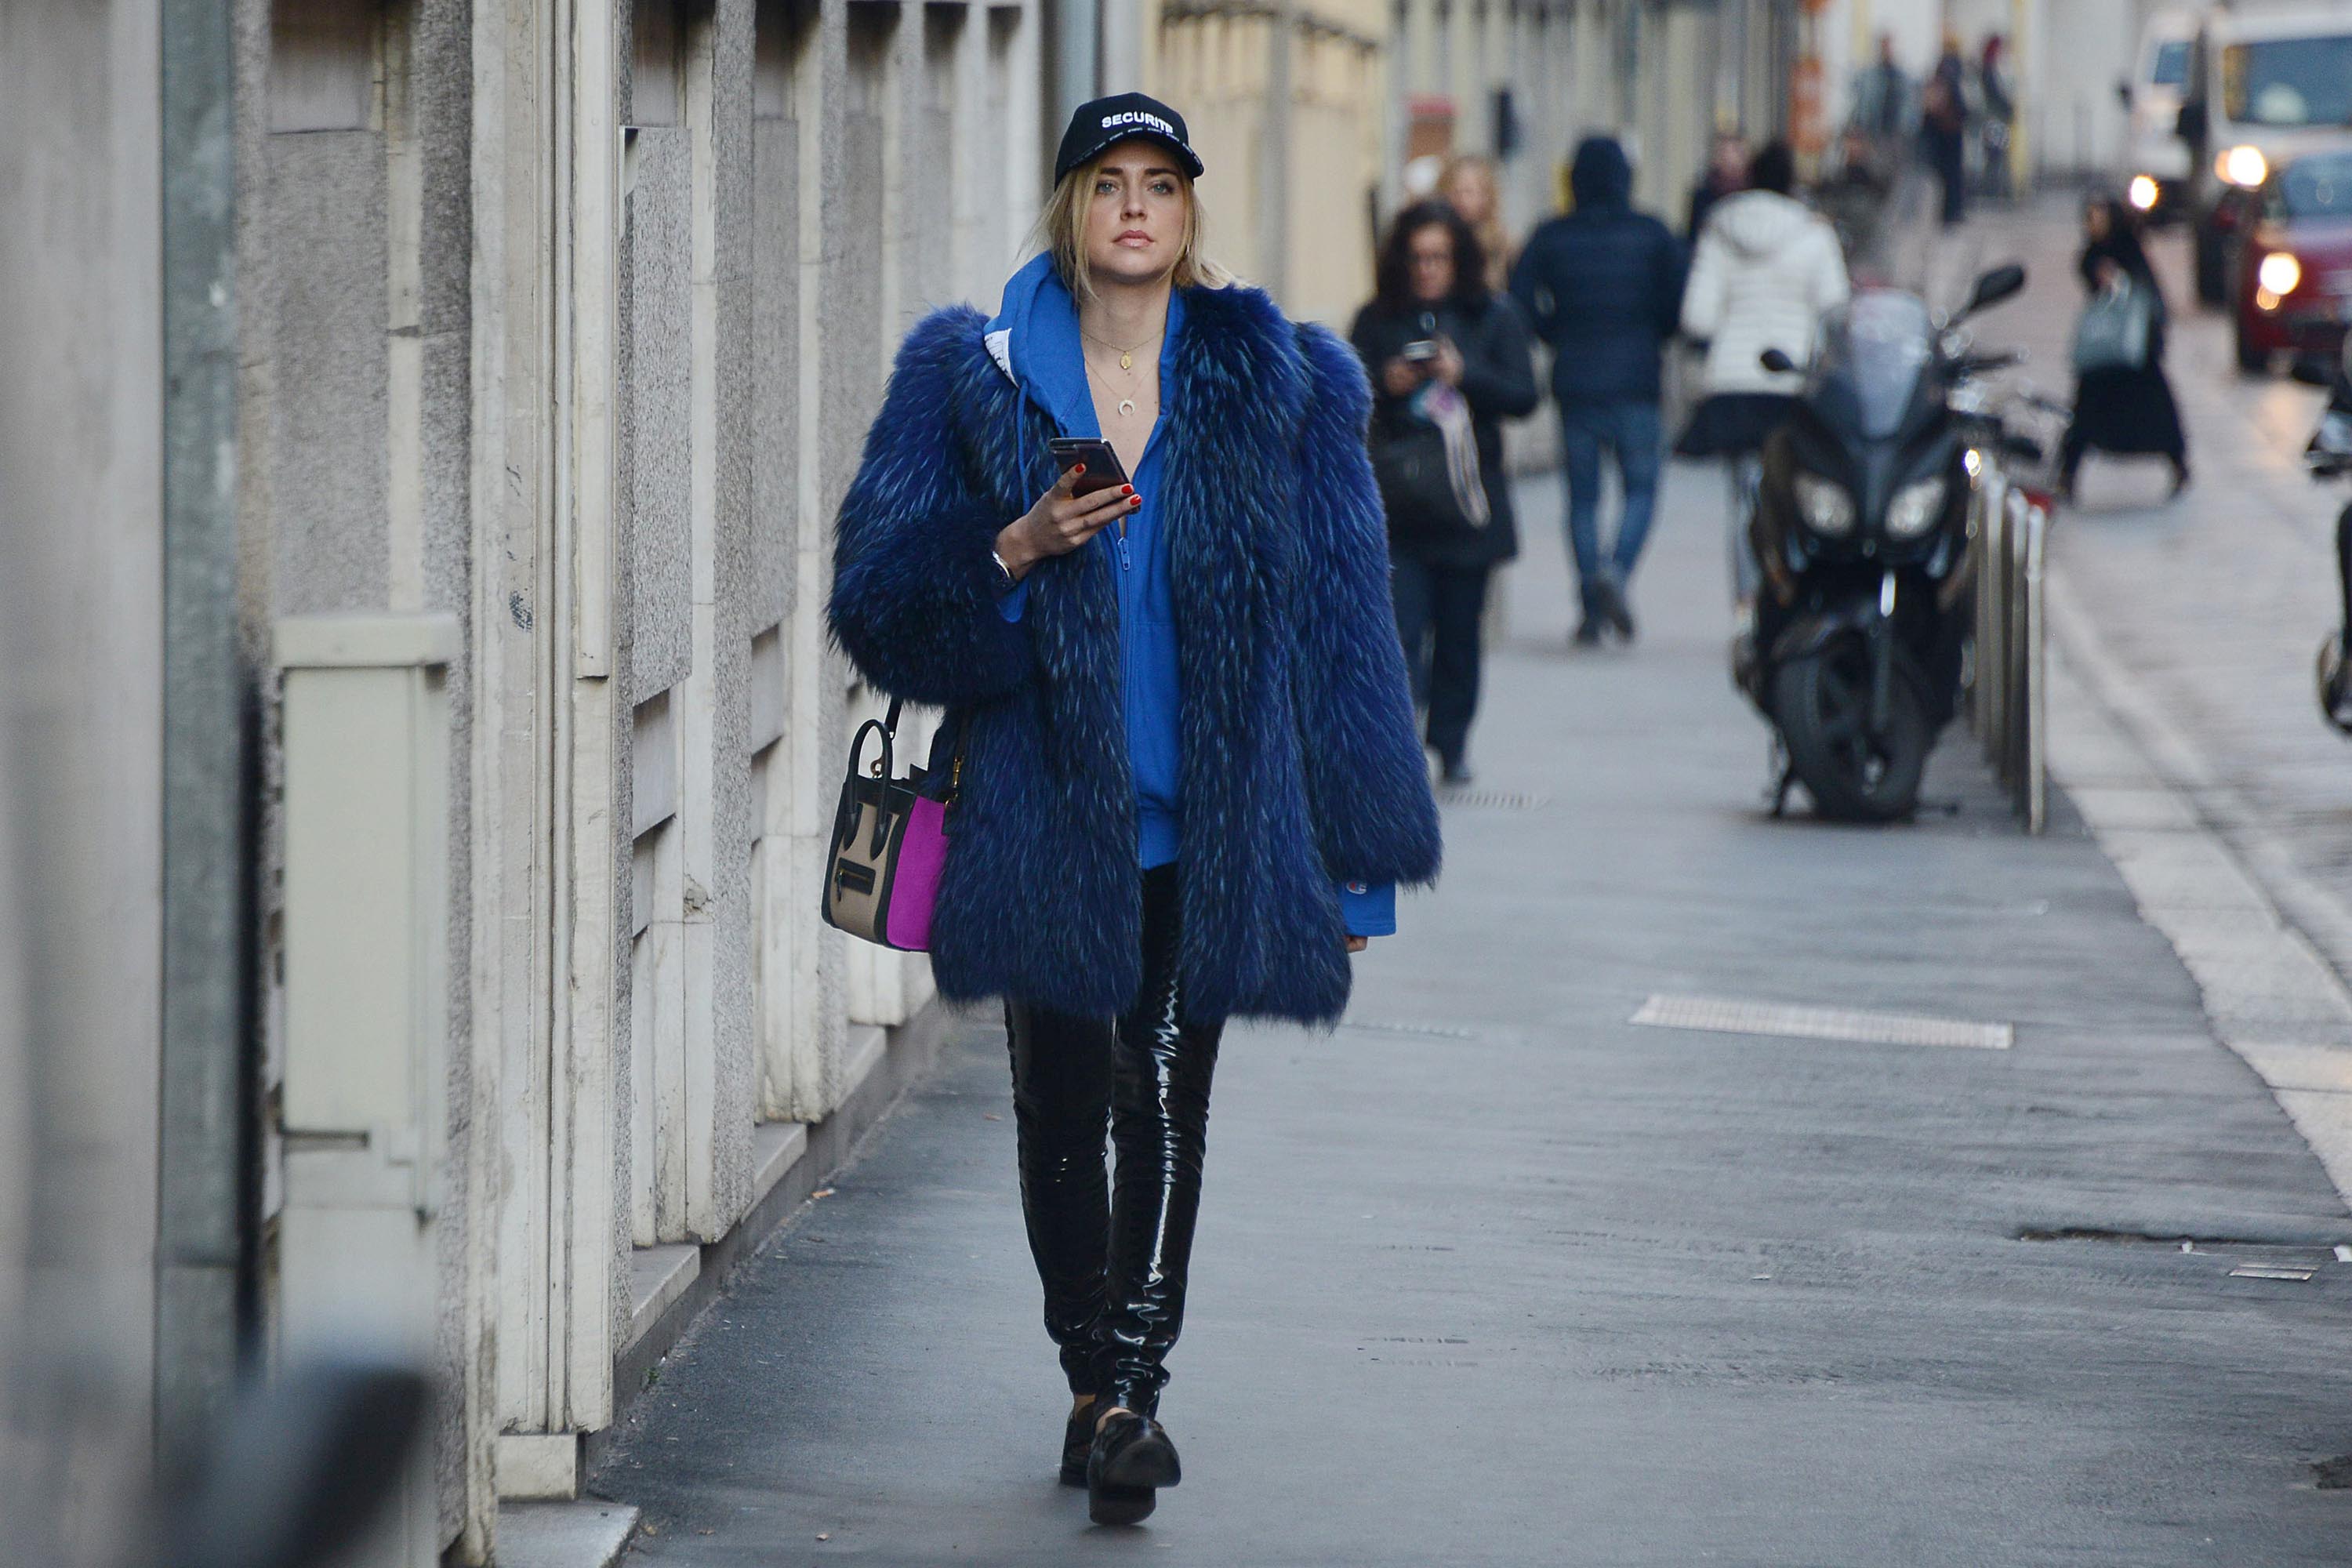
{"points": [[1124, 563]]}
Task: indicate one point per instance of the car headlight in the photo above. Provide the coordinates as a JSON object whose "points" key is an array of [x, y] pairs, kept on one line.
{"points": [[1825, 506], [2243, 166], [2279, 273], [2142, 192], [1916, 508]]}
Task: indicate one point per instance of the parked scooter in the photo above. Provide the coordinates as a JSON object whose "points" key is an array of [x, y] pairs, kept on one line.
{"points": [[1861, 527]]}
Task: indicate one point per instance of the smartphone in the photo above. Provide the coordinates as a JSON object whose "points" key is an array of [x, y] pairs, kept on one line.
{"points": [[1104, 471], [1420, 349]]}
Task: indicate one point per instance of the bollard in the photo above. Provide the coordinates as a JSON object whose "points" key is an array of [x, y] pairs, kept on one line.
{"points": [[2007, 532], [2032, 758]]}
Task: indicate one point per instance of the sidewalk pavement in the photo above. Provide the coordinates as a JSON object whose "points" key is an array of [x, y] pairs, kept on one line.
{"points": [[1491, 1275]]}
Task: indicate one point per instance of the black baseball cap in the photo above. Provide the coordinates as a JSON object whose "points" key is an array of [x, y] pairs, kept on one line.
{"points": [[1103, 124]]}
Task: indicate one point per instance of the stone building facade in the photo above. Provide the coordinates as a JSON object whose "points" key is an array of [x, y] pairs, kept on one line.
{"points": [[565, 323]]}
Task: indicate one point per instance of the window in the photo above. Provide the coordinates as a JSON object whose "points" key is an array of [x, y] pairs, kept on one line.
{"points": [[2289, 81]]}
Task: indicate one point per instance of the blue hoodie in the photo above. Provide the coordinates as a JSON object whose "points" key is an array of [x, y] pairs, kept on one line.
{"points": [[1043, 352]]}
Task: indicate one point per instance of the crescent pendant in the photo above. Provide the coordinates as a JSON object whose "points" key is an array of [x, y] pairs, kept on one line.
{"points": [[1125, 406]]}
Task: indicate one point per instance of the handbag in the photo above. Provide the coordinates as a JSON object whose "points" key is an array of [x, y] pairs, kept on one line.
{"points": [[2114, 330], [1427, 472], [889, 842]]}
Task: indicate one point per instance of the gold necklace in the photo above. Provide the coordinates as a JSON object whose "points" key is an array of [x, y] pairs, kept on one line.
{"points": [[1126, 355], [1126, 363]]}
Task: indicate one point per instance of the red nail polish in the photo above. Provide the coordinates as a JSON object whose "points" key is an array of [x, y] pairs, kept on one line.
{"points": [[1126, 490], [1078, 469], [1135, 500]]}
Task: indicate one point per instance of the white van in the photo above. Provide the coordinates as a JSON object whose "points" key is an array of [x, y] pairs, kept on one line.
{"points": [[2158, 157], [2265, 85]]}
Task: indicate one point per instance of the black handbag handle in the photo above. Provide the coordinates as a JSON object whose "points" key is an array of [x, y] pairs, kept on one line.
{"points": [[887, 727], [888, 730]]}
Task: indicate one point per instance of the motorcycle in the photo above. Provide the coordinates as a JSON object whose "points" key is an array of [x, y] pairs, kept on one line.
{"points": [[1862, 530]]}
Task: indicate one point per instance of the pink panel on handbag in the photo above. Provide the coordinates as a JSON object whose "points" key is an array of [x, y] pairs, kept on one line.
{"points": [[912, 891]]}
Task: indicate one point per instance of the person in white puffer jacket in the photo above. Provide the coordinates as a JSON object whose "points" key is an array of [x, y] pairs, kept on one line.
{"points": [[1767, 270]]}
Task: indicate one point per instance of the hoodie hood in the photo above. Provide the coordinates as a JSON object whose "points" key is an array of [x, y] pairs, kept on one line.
{"points": [[1034, 338], [1600, 178], [1759, 224]]}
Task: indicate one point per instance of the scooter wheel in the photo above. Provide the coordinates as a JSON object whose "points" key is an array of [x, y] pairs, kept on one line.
{"points": [[1821, 704]]}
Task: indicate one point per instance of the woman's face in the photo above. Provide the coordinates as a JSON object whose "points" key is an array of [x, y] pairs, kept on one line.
{"points": [[1135, 213], [1471, 193], [1429, 254]]}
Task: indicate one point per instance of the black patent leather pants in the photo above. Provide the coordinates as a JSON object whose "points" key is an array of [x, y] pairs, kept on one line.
{"points": [[1113, 1255]]}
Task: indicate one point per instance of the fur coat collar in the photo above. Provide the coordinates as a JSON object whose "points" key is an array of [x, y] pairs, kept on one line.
{"points": [[1301, 765]]}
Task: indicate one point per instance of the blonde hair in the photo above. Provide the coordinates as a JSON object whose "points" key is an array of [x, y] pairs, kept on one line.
{"points": [[1061, 233], [1493, 238]]}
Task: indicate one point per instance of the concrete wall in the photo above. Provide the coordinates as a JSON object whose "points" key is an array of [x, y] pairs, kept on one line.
{"points": [[598, 394], [80, 852], [354, 264]]}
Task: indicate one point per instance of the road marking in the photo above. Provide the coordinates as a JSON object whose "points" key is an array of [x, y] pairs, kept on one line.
{"points": [[1721, 1016], [1399, 1027], [2269, 1271]]}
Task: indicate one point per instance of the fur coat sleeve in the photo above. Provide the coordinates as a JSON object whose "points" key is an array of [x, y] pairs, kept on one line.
{"points": [[915, 582], [1367, 780]]}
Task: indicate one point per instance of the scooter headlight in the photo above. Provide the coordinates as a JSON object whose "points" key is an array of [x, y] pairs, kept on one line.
{"points": [[1916, 508], [1825, 506], [2244, 167]]}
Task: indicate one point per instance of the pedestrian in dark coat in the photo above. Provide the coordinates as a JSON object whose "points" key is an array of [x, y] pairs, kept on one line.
{"points": [[1943, 129], [1188, 774], [1999, 123], [1433, 293], [2123, 410], [1603, 286]]}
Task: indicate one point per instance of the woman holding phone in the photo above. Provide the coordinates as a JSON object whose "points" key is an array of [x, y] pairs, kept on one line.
{"points": [[1449, 362], [1189, 775]]}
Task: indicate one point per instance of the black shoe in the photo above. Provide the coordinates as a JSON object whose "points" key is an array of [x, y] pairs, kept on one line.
{"points": [[1456, 774], [1587, 631], [1620, 613], [1130, 1461], [1077, 1439]]}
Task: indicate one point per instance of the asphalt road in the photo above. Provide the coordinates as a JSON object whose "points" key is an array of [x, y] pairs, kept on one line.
{"points": [[1492, 1276]]}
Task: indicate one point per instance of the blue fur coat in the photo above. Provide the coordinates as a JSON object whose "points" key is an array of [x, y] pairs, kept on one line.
{"points": [[1301, 765]]}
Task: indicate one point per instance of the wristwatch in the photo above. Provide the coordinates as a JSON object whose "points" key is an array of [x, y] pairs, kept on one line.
{"points": [[1011, 581]]}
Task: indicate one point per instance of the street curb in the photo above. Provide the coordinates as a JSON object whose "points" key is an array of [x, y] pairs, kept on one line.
{"points": [[2269, 947], [584, 1534]]}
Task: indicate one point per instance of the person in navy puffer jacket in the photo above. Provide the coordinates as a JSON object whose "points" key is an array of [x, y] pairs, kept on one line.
{"points": [[1603, 286]]}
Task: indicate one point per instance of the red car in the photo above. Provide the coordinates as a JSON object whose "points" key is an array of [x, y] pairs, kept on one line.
{"points": [[2293, 283]]}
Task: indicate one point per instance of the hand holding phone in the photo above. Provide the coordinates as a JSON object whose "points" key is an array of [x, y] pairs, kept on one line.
{"points": [[1099, 465], [1067, 516]]}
